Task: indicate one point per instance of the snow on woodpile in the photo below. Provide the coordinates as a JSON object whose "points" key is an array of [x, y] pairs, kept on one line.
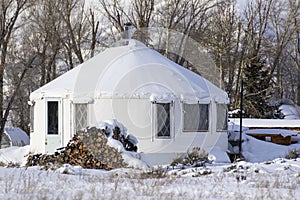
{"points": [[116, 131], [105, 145]]}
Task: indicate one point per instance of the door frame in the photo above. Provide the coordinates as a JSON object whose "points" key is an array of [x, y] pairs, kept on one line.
{"points": [[53, 141]]}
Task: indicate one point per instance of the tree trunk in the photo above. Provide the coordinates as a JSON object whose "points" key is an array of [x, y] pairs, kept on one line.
{"points": [[12, 98], [298, 88]]}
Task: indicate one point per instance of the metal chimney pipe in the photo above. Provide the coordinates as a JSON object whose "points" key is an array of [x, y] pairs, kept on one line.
{"points": [[128, 31]]}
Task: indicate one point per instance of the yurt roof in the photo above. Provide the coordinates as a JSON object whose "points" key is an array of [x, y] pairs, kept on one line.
{"points": [[132, 70]]}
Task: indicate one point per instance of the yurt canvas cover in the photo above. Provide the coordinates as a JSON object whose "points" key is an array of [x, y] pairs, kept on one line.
{"points": [[168, 108]]}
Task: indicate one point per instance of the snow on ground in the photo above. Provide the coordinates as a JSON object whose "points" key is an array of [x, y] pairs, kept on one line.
{"points": [[255, 150], [265, 174], [279, 179], [14, 154], [275, 179]]}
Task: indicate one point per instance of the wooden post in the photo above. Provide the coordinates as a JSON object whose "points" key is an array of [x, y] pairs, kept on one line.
{"points": [[241, 119]]}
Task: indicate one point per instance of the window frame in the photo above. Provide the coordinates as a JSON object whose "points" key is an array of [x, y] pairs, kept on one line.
{"points": [[184, 115], [170, 113], [75, 116], [56, 120]]}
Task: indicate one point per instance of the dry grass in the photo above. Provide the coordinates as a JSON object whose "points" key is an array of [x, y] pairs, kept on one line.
{"points": [[133, 184]]}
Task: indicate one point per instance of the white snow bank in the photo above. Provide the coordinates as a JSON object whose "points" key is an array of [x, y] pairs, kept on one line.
{"points": [[290, 111], [69, 169], [14, 155], [255, 150], [234, 131], [136, 161], [218, 155], [236, 127]]}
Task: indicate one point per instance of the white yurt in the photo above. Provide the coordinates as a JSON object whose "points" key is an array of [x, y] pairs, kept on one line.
{"points": [[168, 108]]}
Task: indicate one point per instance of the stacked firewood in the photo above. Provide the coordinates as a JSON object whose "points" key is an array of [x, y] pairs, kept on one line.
{"points": [[87, 149]]}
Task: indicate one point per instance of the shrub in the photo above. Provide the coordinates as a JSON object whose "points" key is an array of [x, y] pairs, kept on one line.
{"points": [[293, 154], [159, 172], [2, 164], [13, 165], [196, 158], [176, 161]]}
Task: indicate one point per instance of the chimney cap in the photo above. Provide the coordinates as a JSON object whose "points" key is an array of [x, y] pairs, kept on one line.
{"points": [[127, 30], [128, 24]]}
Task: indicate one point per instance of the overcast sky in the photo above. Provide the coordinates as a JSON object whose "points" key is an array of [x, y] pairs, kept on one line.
{"points": [[241, 3]]}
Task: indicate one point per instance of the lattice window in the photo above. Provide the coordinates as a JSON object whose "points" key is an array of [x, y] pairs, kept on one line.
{"points": [[195, 117], [222, 117], [163, 120], [80, 116]]}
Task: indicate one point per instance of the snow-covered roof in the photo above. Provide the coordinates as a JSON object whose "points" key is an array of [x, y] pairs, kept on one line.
{"points": [[130, 69], [59, 87], [268, 123], [281, 132], [17, 136]]}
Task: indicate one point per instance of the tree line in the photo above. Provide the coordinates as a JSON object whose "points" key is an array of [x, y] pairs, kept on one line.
{"points": [[259, 44]]}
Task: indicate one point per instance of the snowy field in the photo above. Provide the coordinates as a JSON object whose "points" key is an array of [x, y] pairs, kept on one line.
{"points": [[279, 179], [265, 175], [276, 179]]}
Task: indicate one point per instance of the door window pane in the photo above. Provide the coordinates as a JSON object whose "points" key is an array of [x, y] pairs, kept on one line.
{"points": [[53, 117]]}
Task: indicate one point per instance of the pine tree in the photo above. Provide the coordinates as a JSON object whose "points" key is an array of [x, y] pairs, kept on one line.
{"points": [[256, 87]]}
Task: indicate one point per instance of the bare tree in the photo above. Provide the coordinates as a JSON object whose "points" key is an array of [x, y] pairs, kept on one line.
{"points": [[116, 13], [95, 28], [294, 17], [73, 16], [223, 38], [282, 24], [44, 32], [10, 10], [142, 12]]}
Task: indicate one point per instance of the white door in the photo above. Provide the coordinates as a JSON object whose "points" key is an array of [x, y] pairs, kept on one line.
{"points": [[53, 125]]}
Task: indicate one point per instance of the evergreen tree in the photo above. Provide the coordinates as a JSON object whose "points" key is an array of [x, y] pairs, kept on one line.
{"points": [[256, 87]]}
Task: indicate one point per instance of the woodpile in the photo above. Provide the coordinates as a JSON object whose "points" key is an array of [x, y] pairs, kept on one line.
{"points": [[87, 149]]}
